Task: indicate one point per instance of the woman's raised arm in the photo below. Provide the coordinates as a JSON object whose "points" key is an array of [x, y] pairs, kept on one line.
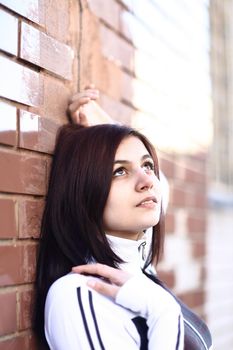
{"points": [[83, 108]]}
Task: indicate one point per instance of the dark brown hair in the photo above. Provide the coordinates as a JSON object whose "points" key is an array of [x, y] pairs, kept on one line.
{"points": [[72, 228]]}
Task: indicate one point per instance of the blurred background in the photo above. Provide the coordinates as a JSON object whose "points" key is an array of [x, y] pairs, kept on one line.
{"points": [[162, 66]]}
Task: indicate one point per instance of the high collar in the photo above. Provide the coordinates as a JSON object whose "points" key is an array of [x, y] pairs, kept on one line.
{"points": [[133, 253]]}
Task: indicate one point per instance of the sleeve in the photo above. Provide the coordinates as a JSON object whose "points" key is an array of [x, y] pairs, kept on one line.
{"points": [[78, 318], [64, 322], [162, 312]]}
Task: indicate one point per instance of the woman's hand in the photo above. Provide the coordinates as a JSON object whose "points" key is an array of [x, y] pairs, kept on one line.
{"points": [[143, 297], [115, 277], [82, 108], [79, 100]]}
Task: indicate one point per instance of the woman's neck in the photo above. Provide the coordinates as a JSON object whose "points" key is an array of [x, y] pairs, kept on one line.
{"points": [[132, 236], [134, 253]]}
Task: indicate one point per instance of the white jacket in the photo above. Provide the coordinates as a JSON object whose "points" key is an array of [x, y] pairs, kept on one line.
{"points": [[77, 317]]}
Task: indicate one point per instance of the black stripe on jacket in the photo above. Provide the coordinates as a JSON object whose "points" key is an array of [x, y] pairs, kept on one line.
{"points": [[85, 323], [142, 328]]}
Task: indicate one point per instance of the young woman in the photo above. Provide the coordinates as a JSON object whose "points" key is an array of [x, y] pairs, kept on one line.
{"points": [[103, 197]]}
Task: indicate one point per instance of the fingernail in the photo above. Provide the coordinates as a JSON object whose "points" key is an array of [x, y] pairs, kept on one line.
{"points": [[91, 283], [74, 269]]}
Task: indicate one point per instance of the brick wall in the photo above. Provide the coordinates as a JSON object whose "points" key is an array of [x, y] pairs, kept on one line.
{"points": [[135, 54], [186, 222], [37, 61]]}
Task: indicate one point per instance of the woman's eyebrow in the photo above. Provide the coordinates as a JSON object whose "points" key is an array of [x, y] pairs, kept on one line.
{"points": [[146, 156], [123, 161]]}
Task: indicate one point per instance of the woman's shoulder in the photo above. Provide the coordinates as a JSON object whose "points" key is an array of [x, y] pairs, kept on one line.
{"points": [[66, 286]]}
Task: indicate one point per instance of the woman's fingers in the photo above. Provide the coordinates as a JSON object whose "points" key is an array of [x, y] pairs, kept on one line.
{"points": [[83, 119], [89, 86], [116, 276], [97, 269], [104, 288], [79, 100], [92, 94], [74, 106]]}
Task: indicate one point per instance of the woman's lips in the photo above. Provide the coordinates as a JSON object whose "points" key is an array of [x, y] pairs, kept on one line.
{"points": [[148, 202]]}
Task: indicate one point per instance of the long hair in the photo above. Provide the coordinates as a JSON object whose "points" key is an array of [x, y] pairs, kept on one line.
{"points": [[72, 225]]}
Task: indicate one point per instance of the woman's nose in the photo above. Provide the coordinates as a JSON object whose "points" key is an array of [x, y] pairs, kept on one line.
{"points": [[144, 180]]}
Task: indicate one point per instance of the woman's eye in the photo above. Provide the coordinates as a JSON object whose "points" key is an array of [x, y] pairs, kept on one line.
{"points": [[148, 166], [119, 172]]}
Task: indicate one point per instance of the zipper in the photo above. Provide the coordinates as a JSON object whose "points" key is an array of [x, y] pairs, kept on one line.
{"points": [[142, 249]]}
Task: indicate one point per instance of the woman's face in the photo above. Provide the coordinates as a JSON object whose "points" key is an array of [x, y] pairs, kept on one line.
{"points": [[134, 201]]}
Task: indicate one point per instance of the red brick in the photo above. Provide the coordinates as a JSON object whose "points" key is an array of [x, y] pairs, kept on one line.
{"points": [[19, 342], [92, 60], [117, 110], [194, 176], [17, 264], [30, 214], [196, 223], [8, 119], [8, 224], [178, 197], [169, 222], [31, 342], [30, 262], [8, 318], [108, 11], [25, 309], [37, 133], [31, 9], [168, 277], [200, 161], [57, 19], [193, 298], [95, 67], [22, 174], [106, 80], [203, 273], [9, 33], [198, 200], [116, 48], [127, 88], [46, 52], [25, 85], [199, 249], [168, 167], [56, 96]]}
